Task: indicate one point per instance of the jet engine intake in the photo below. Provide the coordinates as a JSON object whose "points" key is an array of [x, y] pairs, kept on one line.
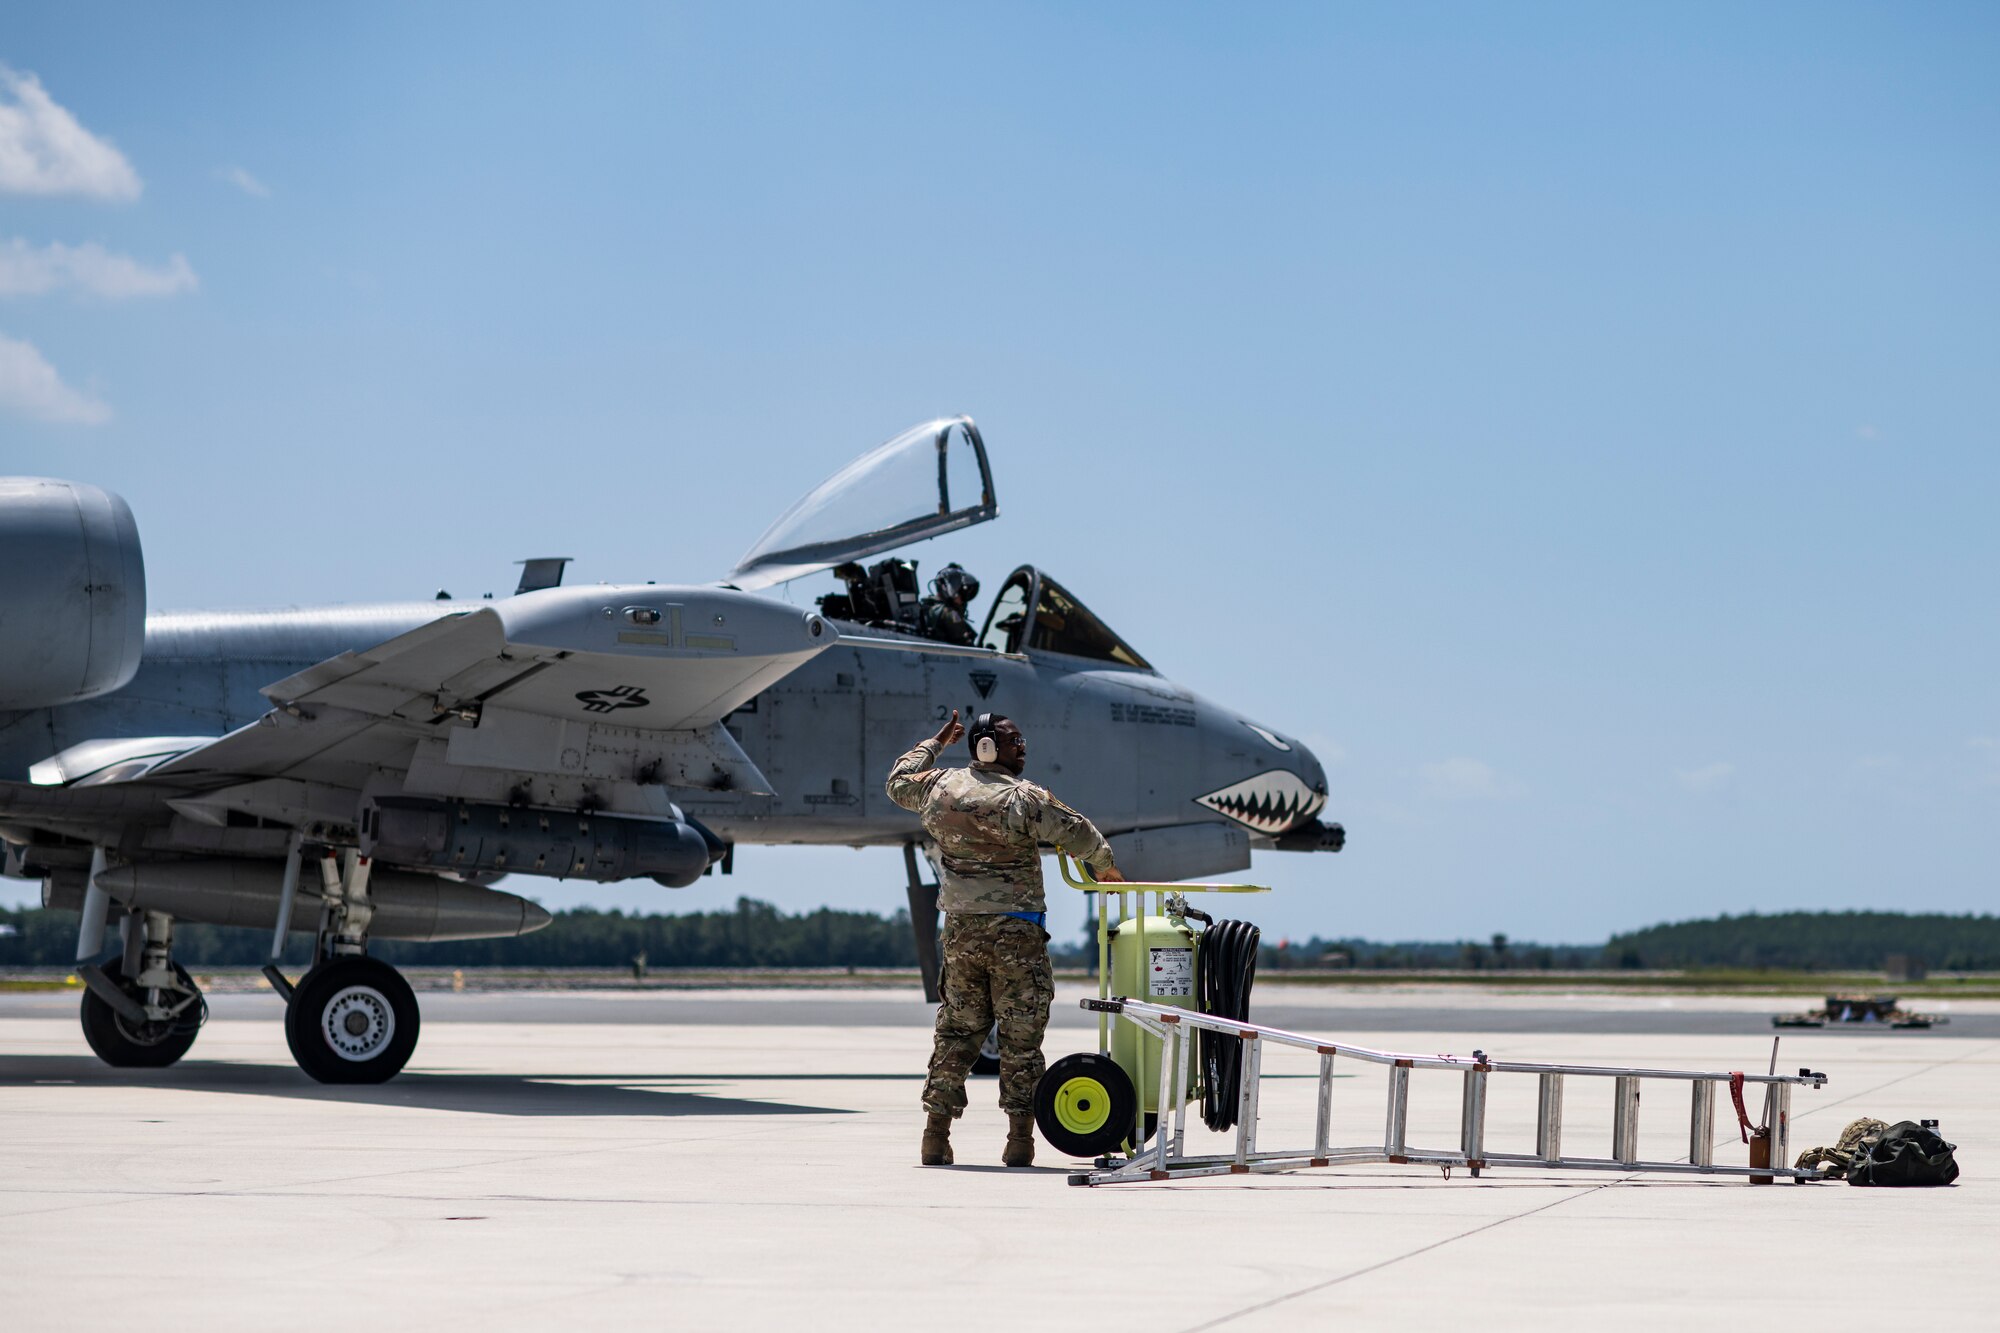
{"points": [[73, 603], [476, 836]]}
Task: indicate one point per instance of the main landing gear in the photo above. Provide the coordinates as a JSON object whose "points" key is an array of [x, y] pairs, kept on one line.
{"points": [[351, 1018]]}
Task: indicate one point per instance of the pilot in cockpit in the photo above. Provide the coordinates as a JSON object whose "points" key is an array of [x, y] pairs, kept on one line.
{"points": [[942, 615]]}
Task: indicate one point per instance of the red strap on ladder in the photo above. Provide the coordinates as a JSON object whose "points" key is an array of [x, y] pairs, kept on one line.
{"points": [[1736, 1095]]}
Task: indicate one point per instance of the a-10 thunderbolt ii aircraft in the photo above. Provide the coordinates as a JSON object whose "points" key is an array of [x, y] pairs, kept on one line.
{"points": [[368, 772]]}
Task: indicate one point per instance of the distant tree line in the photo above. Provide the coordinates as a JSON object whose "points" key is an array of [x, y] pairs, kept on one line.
{"points": [[1497, 954], [757, 935], [753, 934], [1814, 940]]}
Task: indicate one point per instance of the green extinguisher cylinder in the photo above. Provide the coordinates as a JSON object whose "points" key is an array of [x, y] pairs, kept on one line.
{"points": [[1152, 959]]}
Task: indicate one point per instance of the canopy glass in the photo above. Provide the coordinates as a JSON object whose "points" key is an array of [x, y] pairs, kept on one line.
{"points": [[929, 480]]}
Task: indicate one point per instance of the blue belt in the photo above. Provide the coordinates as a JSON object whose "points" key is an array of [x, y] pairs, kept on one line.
{"points": [[1038, 918]]}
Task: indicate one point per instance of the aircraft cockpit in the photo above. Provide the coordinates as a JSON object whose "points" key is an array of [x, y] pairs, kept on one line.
{"points": [[927, 481], [1034, 612]]}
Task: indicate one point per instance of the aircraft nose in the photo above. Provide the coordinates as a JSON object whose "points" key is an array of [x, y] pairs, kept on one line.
{"points": [[1313, 832], [1311, 772], [1264, 780]]}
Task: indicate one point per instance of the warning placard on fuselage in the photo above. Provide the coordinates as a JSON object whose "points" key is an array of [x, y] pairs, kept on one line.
{"points": [[1172, 972]]}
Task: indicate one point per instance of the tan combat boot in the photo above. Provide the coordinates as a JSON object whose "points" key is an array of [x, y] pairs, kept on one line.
{"points": [[937, 1140], [1020, 1150]]}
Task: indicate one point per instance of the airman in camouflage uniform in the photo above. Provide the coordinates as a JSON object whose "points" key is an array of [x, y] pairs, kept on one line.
{"points": [[988, 824]]}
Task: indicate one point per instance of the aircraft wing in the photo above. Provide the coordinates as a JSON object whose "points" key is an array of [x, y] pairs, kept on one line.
{"points": [[605, 697], [335, 721]]}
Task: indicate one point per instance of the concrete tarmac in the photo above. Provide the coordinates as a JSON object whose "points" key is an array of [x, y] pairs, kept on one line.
{"points": [[1475, 1013], [576, 1161]]}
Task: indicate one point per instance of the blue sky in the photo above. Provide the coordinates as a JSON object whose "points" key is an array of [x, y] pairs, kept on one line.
{"points": [[1577, 421]]}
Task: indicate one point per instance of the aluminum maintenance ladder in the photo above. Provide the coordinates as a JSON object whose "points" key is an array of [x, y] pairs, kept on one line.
{"points": [[1164, 1157]]}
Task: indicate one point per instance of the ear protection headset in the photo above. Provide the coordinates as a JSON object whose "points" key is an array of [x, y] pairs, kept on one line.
{"points": [[984, 747]]}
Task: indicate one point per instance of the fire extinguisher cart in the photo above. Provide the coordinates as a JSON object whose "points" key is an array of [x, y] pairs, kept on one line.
{"points": [[1092, 1104]]}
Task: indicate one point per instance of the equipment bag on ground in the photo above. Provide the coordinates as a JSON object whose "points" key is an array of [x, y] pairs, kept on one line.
{"points": [[1905, 1153]]}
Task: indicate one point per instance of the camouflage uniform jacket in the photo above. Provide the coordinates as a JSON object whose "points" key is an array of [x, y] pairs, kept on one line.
{"points": [[987, 824]]}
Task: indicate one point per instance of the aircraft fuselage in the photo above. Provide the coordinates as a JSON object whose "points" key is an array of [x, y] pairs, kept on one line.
{"points": [[1128, 747]]}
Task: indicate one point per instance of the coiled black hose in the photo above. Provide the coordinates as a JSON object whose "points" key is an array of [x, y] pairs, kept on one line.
{"points": [[1224, 970]]}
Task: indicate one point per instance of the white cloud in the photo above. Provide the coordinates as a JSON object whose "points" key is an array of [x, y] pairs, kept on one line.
{"points": [[244, 181], [44, 151], [1709, 777], [1460, 778], [30, 386], [27, 270], [1867, 432], [1984, 742]]}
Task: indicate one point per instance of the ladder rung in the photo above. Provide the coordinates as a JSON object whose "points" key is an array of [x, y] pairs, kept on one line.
{"points": [[1549, 1118], [1625, 1119], [1701, 1125]]}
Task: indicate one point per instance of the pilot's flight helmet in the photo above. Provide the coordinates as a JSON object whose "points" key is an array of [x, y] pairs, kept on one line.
{"points": [[955, 584]]}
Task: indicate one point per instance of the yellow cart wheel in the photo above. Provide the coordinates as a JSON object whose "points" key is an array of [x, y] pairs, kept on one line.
{"points": [[1084, 1105]]}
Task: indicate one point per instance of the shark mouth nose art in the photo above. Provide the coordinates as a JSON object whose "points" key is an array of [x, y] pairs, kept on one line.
{"points": [[1271, 802]]}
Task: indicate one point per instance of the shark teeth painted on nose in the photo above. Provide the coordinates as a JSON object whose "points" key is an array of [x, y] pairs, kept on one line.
{"points": [[1271, 802]]}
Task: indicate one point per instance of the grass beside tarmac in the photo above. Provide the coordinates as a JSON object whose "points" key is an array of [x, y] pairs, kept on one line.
{"points": [[1694, 981]]}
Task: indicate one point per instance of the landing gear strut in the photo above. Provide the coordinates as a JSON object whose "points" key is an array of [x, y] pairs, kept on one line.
{"points": [[352, 1018], [141, 1010], [923, 923]]}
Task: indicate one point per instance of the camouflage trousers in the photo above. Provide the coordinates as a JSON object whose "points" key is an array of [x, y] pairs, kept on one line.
{"points": [[996, 970]]}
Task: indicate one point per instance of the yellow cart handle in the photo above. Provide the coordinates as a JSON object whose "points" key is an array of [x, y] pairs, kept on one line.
{"points": [[1090, 883]]}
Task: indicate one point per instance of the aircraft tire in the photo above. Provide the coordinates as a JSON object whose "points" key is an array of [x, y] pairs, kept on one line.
{"points": [[153, 1045], [352, 1019]]}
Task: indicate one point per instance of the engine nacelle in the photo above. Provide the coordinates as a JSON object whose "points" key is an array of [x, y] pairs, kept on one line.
{"points": [[477, 837], [73, 600]]}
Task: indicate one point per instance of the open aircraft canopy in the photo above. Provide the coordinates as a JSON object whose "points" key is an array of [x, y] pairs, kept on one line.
{"points": [[1035, 613], [929, 480]]}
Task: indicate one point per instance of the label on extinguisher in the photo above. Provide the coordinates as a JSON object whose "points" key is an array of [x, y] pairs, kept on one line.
{"points": [[1173, 972]]}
